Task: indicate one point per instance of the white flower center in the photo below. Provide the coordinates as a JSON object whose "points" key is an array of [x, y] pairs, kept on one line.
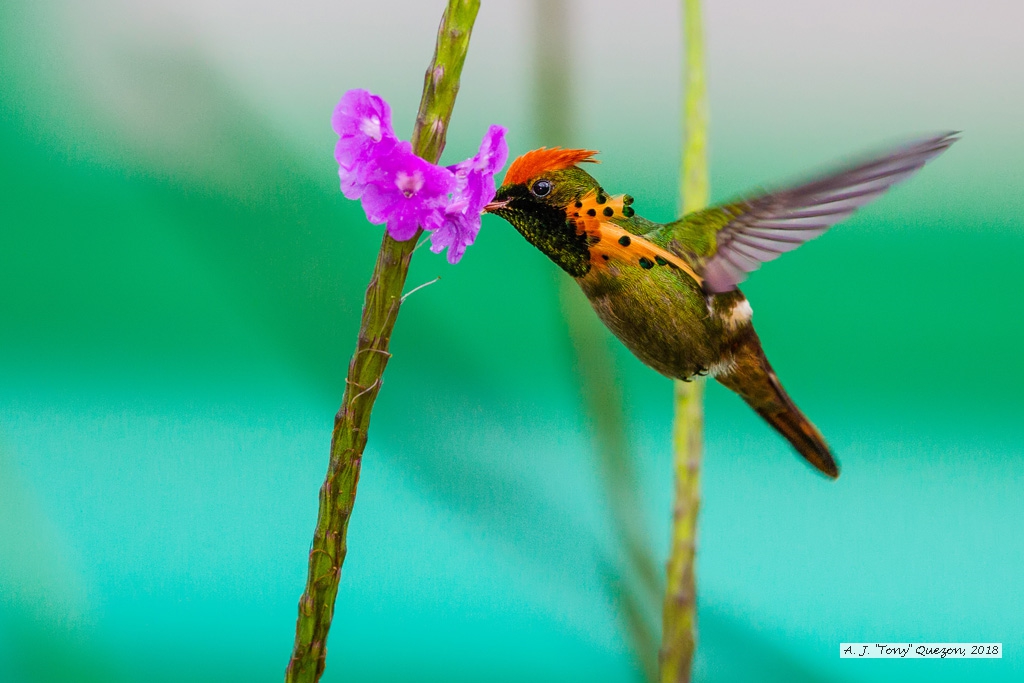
{"points": [[370, 127], [409, 184]]}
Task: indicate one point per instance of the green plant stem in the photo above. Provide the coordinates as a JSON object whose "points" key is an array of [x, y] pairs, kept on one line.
{"points": [[631, 572], [679, 615], [632, 575], [380, 311]]}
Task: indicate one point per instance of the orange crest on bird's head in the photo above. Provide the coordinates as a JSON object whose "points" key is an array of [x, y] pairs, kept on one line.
{"points": [[532, 164]]}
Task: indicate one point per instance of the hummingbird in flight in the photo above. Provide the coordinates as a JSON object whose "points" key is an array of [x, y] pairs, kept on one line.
{"points": [[668, 291]]}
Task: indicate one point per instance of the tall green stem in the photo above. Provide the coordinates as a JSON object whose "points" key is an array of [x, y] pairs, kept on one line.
{"points": [[679, 615], [632, 574], [380, 311]]}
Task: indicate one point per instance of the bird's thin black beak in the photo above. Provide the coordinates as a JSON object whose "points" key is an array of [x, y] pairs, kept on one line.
{"points": [[494, 206]]}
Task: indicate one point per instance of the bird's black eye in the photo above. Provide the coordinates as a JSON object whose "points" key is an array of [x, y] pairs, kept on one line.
{"points": [[541, 188]]}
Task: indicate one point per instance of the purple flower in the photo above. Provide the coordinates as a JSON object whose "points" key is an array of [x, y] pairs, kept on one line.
{"points": [[474, 188], [406, 192], [363, 123]]}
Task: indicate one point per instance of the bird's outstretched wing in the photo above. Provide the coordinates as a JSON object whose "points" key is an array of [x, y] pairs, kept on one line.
{"points": [[756, 230]]}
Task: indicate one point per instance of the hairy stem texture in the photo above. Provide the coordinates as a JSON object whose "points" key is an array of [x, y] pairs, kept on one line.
{"points": [[366, 369]]}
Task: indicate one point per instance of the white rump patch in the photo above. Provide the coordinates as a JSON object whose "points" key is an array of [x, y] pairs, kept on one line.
{"points": [[739, 316]]}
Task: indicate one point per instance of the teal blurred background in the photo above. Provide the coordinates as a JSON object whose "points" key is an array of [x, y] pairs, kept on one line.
{"points": [[180, 285]]}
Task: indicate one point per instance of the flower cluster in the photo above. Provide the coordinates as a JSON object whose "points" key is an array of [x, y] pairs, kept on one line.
{"points": [[404, 191]]}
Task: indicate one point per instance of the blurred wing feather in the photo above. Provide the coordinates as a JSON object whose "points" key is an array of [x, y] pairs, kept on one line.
{"points": [[764, 227]]}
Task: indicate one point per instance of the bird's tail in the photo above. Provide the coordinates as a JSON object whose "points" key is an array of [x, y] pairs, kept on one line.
{"points": [[751, 376]]}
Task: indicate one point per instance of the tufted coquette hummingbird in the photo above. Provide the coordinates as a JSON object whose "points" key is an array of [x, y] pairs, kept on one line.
{"points": [[668, 290]]}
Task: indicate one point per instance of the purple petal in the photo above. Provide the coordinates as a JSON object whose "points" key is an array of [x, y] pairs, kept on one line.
{"points": [[456, 233], [377, 203], [493, 150], [475, 176], [402, 223], [360, 113], [406, 192], [353, 183], [474, 188], [362, 121], [407, 216]]}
